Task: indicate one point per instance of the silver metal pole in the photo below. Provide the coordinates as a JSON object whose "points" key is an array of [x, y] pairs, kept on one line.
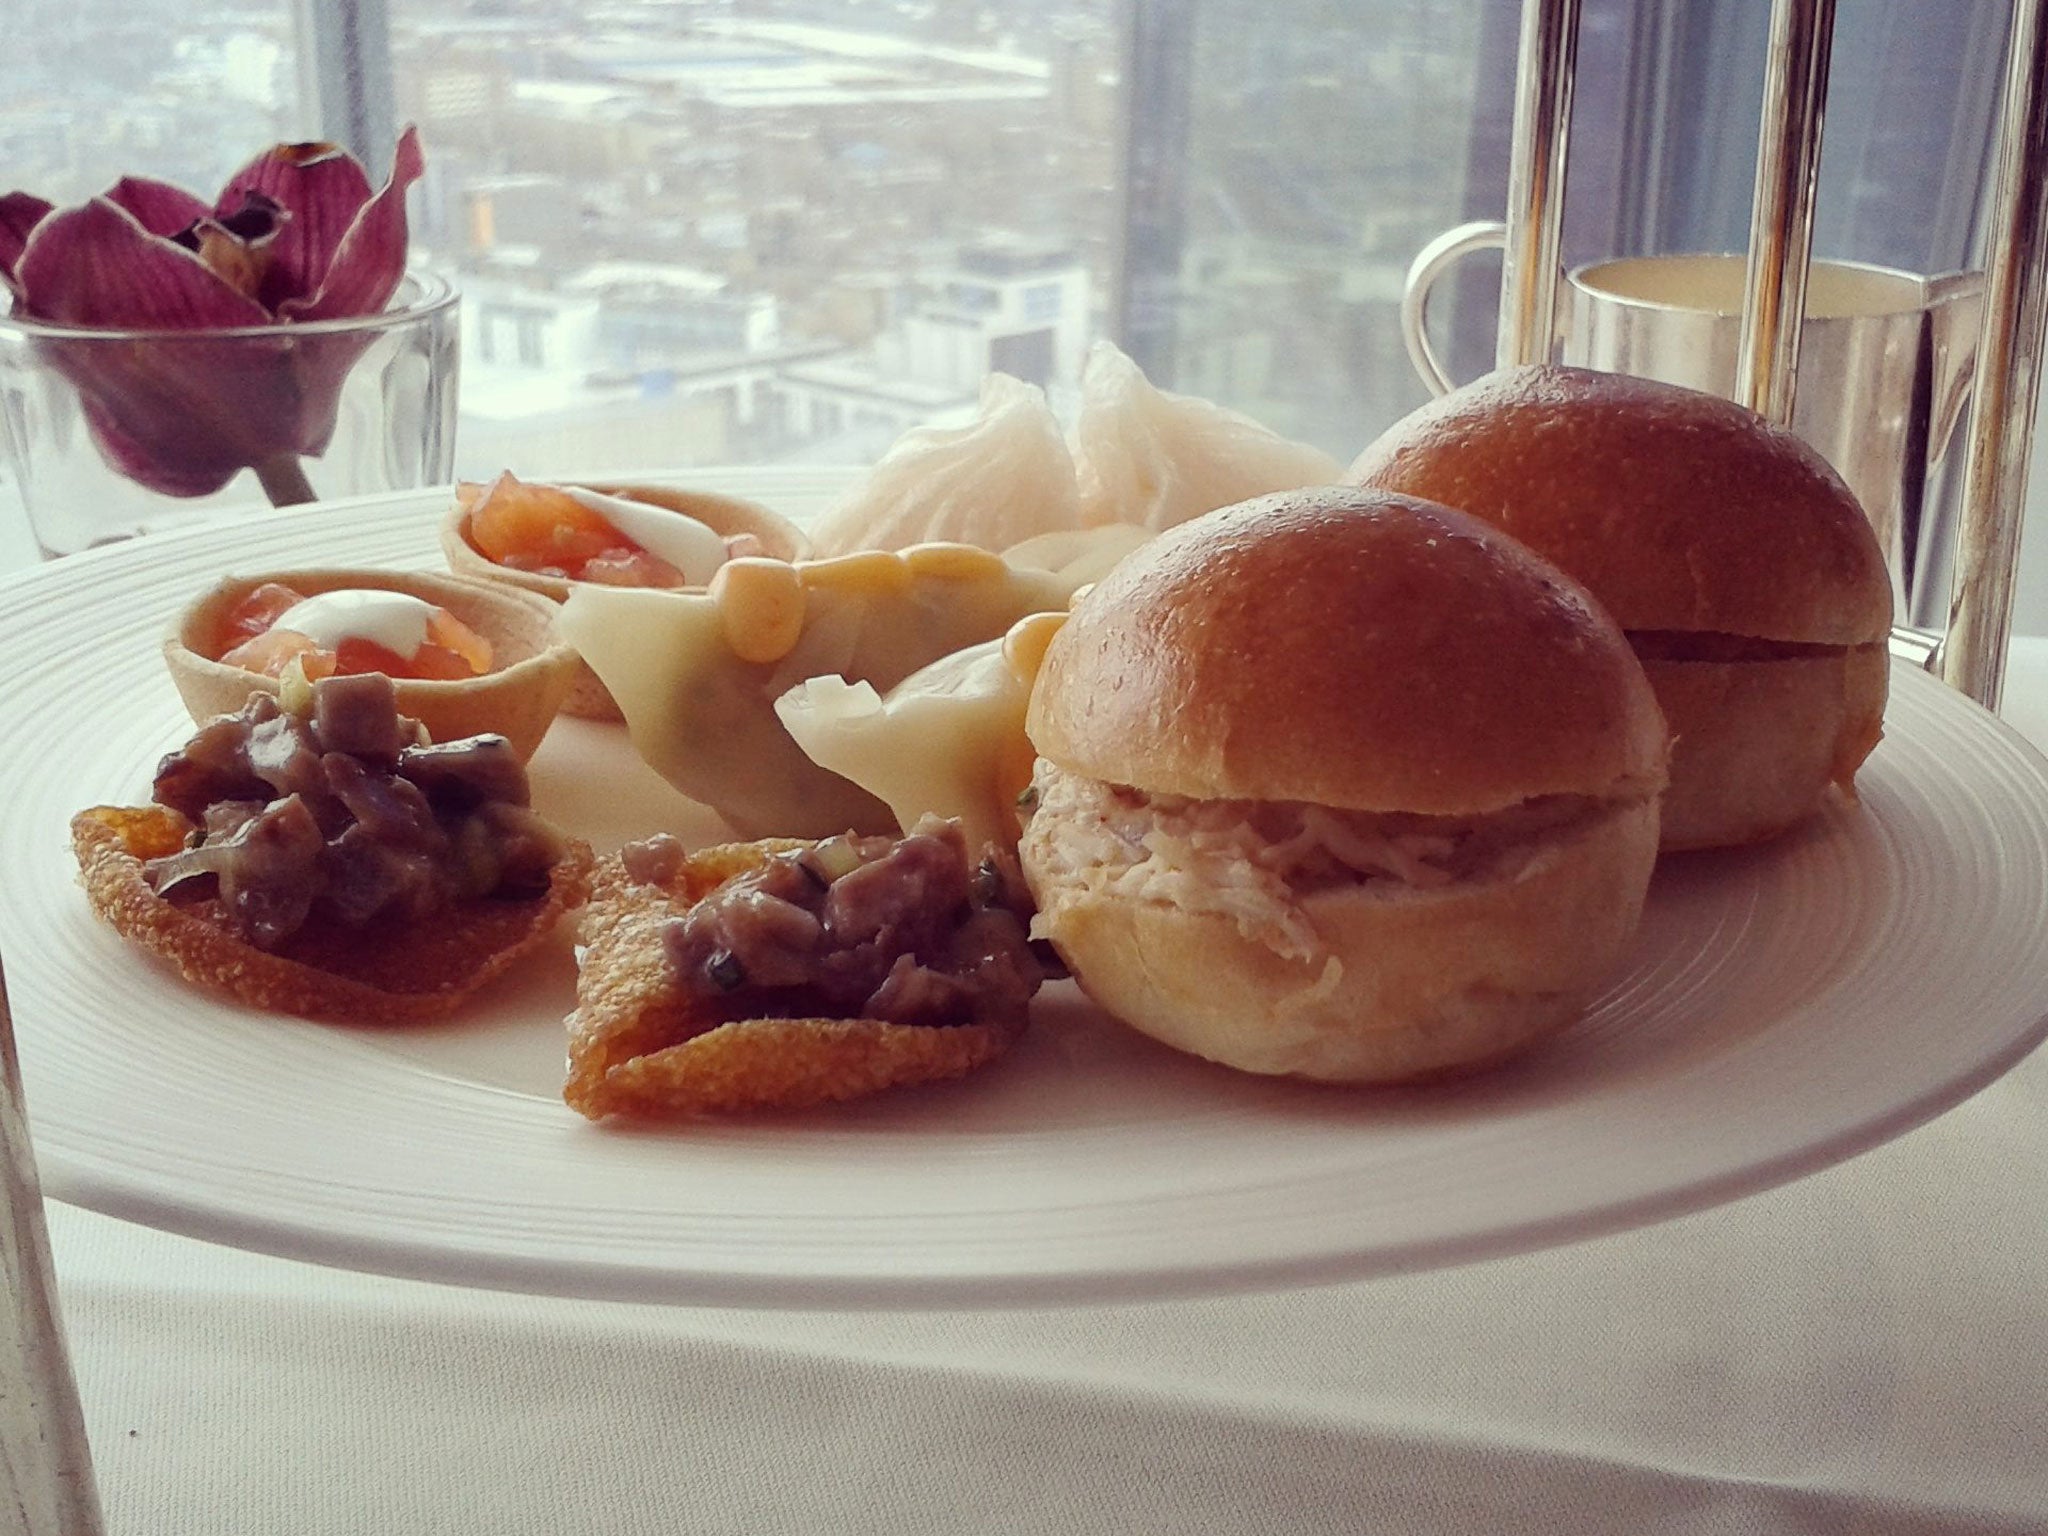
{"points": [[43, 1453], [2008, 375], [1155, 109], [345, 76], [1781, 209], [1543, 114]]}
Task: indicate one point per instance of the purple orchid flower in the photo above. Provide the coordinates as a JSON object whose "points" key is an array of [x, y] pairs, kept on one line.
{"points": [[297, 240]]}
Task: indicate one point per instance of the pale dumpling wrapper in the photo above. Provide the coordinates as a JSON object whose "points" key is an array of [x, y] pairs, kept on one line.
{"points": [[948, 740], [1002, 478], [1078, 556], [703, 715], [1144, 455]]}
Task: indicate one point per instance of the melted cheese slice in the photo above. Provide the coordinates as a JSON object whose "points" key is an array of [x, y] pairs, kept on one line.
{"points": [[697, 674], [949, 739]]}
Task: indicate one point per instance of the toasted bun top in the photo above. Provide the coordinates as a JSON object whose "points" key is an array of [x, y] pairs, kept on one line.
{"points": [[1678, 510], [1349, 648]]}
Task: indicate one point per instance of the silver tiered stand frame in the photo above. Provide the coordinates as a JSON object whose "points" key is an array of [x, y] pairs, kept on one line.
{"points": [[48, 1467], [1971, 655]]}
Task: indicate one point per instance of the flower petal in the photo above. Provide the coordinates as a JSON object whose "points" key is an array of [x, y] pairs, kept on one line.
{"points": [[237, 262], [157, 206], [186, 471], [259, 220], [182, 414], [237, 248], [321, 188], [370, 259], [20, 212], [95, 266]]}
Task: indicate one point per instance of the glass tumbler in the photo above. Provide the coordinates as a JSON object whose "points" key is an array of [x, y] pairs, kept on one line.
{"points": [[110, 434]]}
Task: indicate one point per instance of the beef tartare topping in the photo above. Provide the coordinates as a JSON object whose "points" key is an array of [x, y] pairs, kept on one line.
{"points": [[905, 930], [340, 810]]}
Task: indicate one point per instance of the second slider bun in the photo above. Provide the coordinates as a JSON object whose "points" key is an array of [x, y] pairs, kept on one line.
{"points": [[1738, 562], [1344, 785]]}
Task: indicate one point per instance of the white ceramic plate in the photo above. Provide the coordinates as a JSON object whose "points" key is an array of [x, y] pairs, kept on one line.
{"points": [[1782, 1010]]}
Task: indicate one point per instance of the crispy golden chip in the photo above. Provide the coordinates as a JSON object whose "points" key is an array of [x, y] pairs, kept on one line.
{"points": [[390, 972], [640, 1047]]}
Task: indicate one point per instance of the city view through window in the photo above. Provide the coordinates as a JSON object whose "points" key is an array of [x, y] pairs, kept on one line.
{"points": [[698, 232], [772, 231]]}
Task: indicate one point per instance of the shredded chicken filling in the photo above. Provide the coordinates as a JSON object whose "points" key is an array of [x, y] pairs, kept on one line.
{"points": [[1255, 861]]}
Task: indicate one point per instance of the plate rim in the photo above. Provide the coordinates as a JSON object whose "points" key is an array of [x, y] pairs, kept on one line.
{"points": [[86, 1184]]}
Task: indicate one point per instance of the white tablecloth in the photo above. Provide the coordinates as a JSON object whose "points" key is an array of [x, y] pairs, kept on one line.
{"points": [[1862, 1351]]}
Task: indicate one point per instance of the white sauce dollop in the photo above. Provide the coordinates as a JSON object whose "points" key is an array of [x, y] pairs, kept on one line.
{"points": [[395, 620], [690, 546]]}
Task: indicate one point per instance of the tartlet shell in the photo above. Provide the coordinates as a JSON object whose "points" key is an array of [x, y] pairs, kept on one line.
{"points": [[588, 698], [530, 677]]}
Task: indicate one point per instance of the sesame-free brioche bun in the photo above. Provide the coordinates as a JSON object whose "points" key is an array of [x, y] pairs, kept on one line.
{"points": [[1736, 559], [1350, 648], [1360, 670], [1758, 743], [1678, 510]]}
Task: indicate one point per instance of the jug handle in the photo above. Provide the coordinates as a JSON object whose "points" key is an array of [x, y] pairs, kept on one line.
{"points": [[1430, 263]]}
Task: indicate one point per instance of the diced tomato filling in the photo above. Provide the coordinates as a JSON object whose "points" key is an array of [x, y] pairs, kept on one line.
{"points": [[456, 649], [263, 607], [541, 528], [544, 530], [631, 568], [452, 650]]}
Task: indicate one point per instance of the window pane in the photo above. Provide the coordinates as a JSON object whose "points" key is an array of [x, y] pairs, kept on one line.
{"points": [[1327, 141], [739, 232], [731, 234], [181, 90], [760, 230]]}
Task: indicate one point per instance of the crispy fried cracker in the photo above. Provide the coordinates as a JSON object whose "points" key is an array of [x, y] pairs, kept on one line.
{"points": [[641, 1047], [389, 972]]}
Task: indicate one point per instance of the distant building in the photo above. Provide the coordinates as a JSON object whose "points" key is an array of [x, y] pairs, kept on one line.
{"points": [[575, 128], [627, 361], [652, 313], [1008, 306], [520, 322], [842, 409], [514, 210]]}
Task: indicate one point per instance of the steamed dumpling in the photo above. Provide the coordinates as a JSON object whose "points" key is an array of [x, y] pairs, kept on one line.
{"points": [[1001, 479], [948, 740], [1078, 556], [697, 674], [1150, 457]]}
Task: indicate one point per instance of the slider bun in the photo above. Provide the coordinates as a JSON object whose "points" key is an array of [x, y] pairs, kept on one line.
{"points": [[1371, 653], [1349, 648], [1423, 982], [1759, 742], [1678, 510], [1691, 519]]}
